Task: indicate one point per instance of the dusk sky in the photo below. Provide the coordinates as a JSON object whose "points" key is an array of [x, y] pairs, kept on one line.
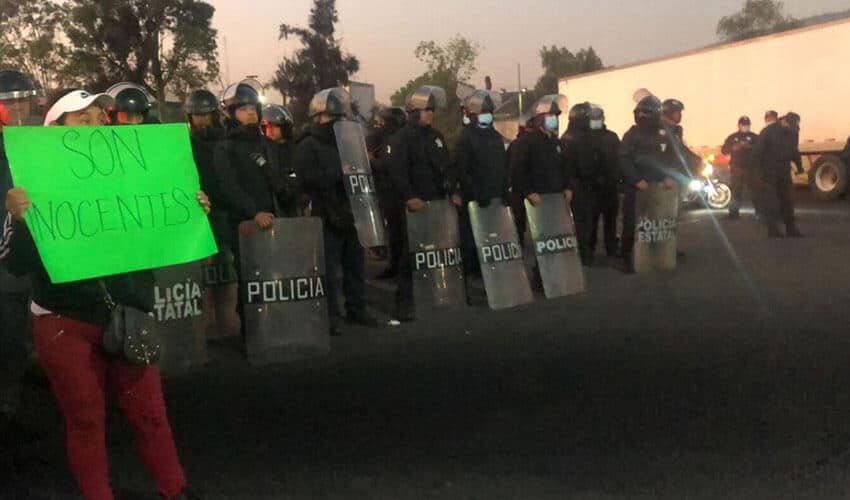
{"points": [[384, 33]]}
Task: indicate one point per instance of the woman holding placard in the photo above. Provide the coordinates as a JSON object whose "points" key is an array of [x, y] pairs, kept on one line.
{"points": [[69, 323]]}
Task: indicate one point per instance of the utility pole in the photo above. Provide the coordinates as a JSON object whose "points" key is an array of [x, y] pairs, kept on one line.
{"points": [[519, 91]]}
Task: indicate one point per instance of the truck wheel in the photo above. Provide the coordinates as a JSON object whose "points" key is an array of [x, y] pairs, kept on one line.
{"points": [[828, 178]]}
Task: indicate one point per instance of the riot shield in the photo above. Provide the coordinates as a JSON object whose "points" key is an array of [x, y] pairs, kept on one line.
{"points": [[555, 245], [178, 307], [359, 183], [500, 255], [220, 295], [435, 256], [656, 228], [283, 290]]}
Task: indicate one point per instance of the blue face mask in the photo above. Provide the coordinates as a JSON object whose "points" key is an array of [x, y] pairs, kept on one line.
{"points": [[485, 119], [466, 120], [551, 123], [596, 124]]}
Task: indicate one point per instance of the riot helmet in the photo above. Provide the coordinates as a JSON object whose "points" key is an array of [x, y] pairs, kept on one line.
{"points": [[552, 104], [579, 116], [393, 118], [334, 102], [426, 98], [238, 95], [597, 117], [277, 116], [18, 98], [672, 109], [481, 101], [202, 105], [648, 111]]}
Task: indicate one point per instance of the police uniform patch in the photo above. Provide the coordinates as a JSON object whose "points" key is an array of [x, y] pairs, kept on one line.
{"points": [[389, 149], [663, 146], [439, 143]]}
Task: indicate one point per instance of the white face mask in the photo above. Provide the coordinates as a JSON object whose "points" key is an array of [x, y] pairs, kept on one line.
{"points": [[466, 120], [596, 124], [745, 129], [551, 123]]}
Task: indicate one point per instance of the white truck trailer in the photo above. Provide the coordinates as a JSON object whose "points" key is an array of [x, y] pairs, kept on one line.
{"points": [[805, 70]]}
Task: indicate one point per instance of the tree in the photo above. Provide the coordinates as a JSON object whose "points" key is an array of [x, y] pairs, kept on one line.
{"points": [[447, 65], [756, 18], [29, 31], [558, 62], [319, 64], [169, 45]]}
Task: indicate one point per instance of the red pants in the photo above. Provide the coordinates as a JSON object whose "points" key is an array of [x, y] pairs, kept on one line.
{"points": [[70, 353]]}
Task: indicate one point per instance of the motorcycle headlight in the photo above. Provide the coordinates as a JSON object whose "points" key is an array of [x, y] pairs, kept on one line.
{"points": [[695, 185], [708, 170]]}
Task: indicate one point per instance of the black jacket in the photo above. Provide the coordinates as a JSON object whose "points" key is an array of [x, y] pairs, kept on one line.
{"points": [[776, 148], [418, 161], [742, 158], [204, 143], [283, 179], [648, 154], [376, 143], [319, 169], [8, 282], [592, 156], [538, 164], [79, 300], [480, 166], [244, 173]]}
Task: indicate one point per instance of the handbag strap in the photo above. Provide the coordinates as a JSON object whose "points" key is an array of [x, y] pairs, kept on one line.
{"points": [[107, 297]]}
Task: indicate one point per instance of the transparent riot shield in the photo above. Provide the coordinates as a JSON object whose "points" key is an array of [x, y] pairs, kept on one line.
{"points": [[656, 229], [283, 290], [500, 255], [179, 311], [359, 183], [435, 257], [555, 245]]}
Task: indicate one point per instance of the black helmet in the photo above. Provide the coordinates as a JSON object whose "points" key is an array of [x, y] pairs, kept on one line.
{"points": [[552, 104], [238, 95], [596, 112], [275, 114], [130, 98], [480, 102], [16, 85], [649, 105], [335, 102], [744, 120], [580, 113], [671, 106], [394, 117], [426, 97], [200, 102]]}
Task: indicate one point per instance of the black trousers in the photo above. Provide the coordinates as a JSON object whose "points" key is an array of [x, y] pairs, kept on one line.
{"points": [[742, 180], [467, 242], [15, 348], [520, 217], [396, 230], [589, 206], [345, 256], [627, 239], [778, 199], [404, 278]]}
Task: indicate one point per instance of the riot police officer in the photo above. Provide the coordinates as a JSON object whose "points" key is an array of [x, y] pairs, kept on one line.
{"points": [[419, 159], [776, 148], [18, 95], [671, 117], [591, 153], [205, 131], [740, 146], [390, 120], [278, 128], [319, 168], [132, 104], [480, 167], [647, 155]]}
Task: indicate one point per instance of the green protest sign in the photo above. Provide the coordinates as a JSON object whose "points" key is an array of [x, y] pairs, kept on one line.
{"points": [[109, 200]]}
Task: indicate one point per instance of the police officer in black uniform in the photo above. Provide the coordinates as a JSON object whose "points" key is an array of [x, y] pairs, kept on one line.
{"points": [[671, 117], [740, 146], [18, 94], [776, 148], [592, 155], [646, 155], [319, 168], [537, 160], [205, 132], [479, 168], [419, 161], [389, 121], [132, 104], [278, 127]]}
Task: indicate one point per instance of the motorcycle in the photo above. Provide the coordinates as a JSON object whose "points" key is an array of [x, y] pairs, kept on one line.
{"points": [[708, 189]]}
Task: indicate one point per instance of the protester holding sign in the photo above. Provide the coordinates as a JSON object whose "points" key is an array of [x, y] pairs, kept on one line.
{"points": [[69, 323]]}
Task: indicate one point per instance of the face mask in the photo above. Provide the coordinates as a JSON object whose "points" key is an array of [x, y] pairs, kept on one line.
{"points": [[485, 119], [596, 124], [745, 129], [551, 123], [466, 120]]}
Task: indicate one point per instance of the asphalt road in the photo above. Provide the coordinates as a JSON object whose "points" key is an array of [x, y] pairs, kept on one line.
{"points": [[726, 379]]}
